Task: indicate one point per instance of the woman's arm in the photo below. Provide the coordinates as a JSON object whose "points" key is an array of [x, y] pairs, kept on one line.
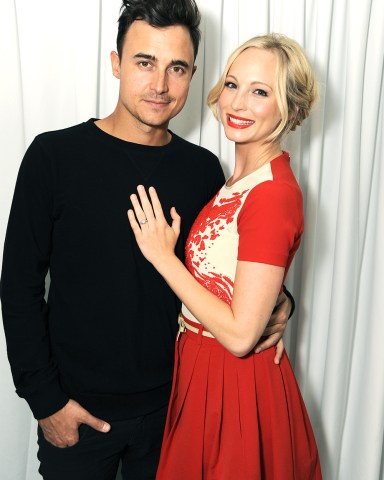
{"points": [[238, 326]]}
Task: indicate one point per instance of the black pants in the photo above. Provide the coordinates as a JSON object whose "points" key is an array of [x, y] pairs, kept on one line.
{"points": [[136, 442]]}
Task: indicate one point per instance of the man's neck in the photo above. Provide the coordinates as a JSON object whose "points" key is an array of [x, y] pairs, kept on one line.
{"points": [[135, 133]]}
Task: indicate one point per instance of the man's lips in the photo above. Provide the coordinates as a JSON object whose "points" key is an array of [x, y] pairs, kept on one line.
{"points": [[238, 122], [158, 102]]}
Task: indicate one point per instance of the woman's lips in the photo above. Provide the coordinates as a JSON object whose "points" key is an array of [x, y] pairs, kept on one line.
{"points": [[238, 122]]}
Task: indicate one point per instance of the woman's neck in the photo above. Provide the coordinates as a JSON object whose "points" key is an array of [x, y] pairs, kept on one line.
{"points": [[249, 158]]}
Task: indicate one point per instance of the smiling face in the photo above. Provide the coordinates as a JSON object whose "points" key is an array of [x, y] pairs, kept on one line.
{"points": [[155, 73], [248, 104]]}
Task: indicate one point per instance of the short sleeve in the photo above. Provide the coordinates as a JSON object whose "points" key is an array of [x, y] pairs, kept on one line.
{"points": [[270, 223]]}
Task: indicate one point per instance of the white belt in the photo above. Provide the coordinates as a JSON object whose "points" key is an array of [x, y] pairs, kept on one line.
{"points": [[183, 326]]}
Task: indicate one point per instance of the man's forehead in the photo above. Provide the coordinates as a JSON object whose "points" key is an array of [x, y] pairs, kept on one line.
{"points": [[172, 43]]}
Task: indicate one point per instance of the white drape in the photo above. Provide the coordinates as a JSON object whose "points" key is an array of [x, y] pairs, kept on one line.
{"points": [[54, 60]]}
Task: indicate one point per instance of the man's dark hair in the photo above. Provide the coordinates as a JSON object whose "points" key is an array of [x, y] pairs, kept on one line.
{"points": [[160, 13]]}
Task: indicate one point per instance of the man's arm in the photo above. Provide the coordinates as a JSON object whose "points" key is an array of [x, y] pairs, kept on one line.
{"points": [[26, 262], [26, 259], [285, 306]]}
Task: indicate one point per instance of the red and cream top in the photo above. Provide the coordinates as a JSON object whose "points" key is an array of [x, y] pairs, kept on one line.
{"points": [[259, 219]]}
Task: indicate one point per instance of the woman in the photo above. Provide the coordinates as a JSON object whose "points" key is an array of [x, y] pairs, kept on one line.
{"points": [[233, 414]]}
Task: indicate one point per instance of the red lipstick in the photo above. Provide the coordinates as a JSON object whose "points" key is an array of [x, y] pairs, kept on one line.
{"points": [[238, 122]]}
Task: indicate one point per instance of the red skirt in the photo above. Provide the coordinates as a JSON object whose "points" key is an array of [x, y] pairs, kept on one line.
{"points": [[235, 418]]}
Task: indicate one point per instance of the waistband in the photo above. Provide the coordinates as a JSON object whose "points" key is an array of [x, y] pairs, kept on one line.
{"points": [[184, 324]]}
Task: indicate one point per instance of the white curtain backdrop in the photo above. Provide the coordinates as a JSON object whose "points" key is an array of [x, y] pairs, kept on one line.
{"points": [[55, 72]]}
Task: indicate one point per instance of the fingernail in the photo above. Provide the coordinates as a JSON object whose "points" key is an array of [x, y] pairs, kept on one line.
{"points": [[105, 427]]}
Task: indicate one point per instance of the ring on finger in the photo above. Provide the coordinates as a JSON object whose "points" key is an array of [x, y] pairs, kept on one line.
{"points": [[143, 221]]}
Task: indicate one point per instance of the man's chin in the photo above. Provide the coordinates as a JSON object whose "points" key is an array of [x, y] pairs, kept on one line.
{"points": [[160, 123], [158, 119]]}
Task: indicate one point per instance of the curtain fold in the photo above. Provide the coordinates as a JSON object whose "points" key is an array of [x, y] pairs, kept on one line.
{"points": [[56, 72]]}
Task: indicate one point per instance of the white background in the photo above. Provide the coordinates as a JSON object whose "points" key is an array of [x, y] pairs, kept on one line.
{"points": [[55, 72]]}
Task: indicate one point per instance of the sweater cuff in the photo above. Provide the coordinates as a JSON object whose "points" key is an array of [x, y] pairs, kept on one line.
{"points": [[290, 296], [45, 402]]}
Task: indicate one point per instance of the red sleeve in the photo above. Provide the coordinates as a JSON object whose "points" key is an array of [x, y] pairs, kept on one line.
{"points": [[270, 223]]}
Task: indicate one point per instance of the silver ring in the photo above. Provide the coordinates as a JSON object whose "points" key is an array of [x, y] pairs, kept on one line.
{"points": [[144, 221]]}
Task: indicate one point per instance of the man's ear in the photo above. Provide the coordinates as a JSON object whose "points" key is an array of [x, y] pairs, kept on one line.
{"points": [[115, 62]]}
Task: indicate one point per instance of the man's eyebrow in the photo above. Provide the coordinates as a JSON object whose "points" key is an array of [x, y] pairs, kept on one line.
{"points": [[145, 56], [174, 63], [180, 63]]}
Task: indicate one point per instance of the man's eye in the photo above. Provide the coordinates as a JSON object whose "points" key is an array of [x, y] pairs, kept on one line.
{"points": [[178, 70]]}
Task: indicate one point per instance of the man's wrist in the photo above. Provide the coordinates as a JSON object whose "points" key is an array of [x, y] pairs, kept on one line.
{"points": [[290, 296]]}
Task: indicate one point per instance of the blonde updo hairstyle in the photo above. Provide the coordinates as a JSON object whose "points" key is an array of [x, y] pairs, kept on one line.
{"points": [[296, 86]]}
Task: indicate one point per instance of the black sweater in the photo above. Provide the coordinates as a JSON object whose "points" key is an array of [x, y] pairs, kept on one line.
{"points": [[105, 335]]}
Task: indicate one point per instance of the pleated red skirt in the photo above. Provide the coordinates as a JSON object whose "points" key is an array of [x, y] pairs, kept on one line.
{"points": [[233, 418]]}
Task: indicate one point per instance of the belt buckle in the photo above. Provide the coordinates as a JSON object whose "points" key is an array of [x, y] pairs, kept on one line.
{"points": [[182, 327]]}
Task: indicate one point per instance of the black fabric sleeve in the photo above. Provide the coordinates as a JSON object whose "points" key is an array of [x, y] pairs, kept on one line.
{"points": [[215, 177], [290, 296], [26, 259]]}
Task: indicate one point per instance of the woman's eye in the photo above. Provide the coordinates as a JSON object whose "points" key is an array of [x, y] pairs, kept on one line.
{"points": [[229, 85], [261, 92]]}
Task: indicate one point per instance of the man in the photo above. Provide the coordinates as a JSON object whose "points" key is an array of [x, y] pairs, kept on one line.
{"points": [[95, 360]]}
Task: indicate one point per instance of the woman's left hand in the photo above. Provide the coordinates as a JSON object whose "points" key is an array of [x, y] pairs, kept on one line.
{"points": [[155, 237]]}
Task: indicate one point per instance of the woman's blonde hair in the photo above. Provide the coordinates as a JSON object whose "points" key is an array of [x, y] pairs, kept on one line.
{"points": [[296, 86]]}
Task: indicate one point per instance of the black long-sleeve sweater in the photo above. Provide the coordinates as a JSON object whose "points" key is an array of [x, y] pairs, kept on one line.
{"points": [[105, 335]]}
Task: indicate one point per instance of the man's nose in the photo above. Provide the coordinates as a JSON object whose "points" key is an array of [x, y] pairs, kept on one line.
{"points": [[160, 82]]}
